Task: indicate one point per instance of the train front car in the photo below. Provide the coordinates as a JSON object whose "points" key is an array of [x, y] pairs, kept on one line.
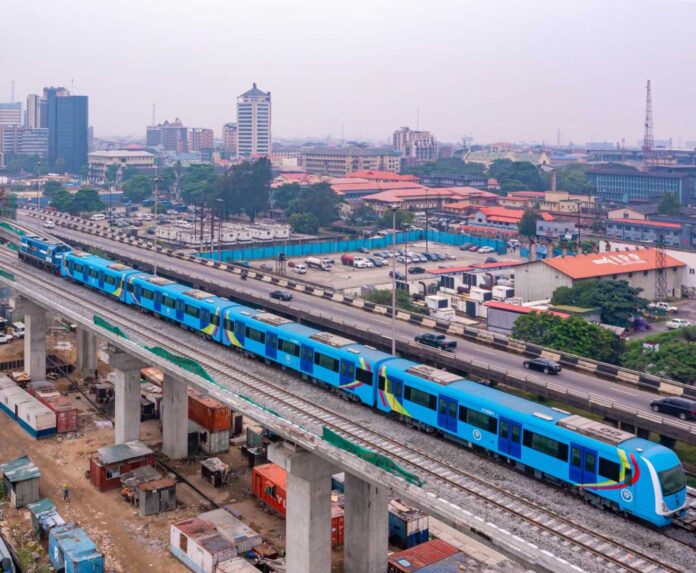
{"points": [[659, 495], [43, 253]]}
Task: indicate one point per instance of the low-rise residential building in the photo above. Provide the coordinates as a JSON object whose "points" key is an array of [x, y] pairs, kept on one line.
{"points": [[636, 212], [420, 197], [556, 229], [342, 161], [449, 180], [537, 280], [500, 217], [644, 231], [100, 161], [383, 177]]}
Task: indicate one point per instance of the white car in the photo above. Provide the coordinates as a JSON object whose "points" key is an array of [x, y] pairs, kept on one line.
{"points": [[663, 306], [678, 323], [5, 338], [486, 250], [49, 224]]}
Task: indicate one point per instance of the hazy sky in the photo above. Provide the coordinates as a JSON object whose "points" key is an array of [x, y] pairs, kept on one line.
{"points": [[497, 70]]}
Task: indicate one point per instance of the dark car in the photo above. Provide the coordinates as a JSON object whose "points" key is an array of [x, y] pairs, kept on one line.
{"points": [[491, 260], [363, 250], [543, 364], [376, 261], [427, 256], [474, 248], [681, 407], [436, 341], [281, 295], [466, 246], [416, 270], [399, 276]]}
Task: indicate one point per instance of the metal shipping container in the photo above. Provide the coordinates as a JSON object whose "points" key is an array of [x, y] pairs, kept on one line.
{"points": [[70, 549], [208, 412], [66, 413], [407, 526], [415, 558], [36, 418], [338, 482], [337, 525], [11, 397], [44, 517], [268, 484], [454, 564]]}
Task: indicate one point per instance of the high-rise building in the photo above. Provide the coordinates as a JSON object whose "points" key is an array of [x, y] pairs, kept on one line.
{"points": [[10, 114], [254, 123], [32, 115], [229, 137], [415, 145], [200, 138], [68, 126], [153, 135], [173, 136]]}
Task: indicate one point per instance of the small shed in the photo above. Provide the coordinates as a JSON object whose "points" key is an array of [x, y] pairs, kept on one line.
{"points": [[241, 535], [156, 496], [44, 517], [21, 481], [196, 543], [72, 551], [109, 463], [215, 471], [131, 480]]}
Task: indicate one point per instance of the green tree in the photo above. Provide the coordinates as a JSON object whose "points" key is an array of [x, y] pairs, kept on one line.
{"points": [[597, 224], [448, 166], [246, 188], [62, 201], [319, 200], [669, 204], [306, 223], [138, 188], [572, 178], [516, 175], [527, 224], [617, 300], [129, 172], [281, 196], [111, 173], [403, 218], [167, 179], [51, 188], [86, 200], [365, 215], [403, 300], [197, 184], [572, 334], [675, 358]]}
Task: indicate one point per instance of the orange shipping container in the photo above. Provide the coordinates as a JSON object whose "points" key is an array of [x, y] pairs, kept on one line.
{"points": [[337, 525], [66, 413], [213, 415], [415, 558]]}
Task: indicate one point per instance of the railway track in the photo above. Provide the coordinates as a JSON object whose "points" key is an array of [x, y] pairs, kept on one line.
{"points": [[500, 503]]}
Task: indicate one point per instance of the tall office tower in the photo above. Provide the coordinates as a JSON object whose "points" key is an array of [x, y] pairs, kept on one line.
{"points": [[68, 130], [175, 136], [200, 138], [229, 137], [10, 114], [254, 123], [32, 115], [153, 135], [415, 145]]}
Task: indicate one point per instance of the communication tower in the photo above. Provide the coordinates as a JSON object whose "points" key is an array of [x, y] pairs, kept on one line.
{"points": [[648, 137], [661, 271]]}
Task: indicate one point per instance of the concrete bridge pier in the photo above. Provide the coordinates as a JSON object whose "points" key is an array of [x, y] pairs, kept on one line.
{"points": [[127, 391], [34, 338], [308, 511], [366, 526], [174, 415], [86, 353]]}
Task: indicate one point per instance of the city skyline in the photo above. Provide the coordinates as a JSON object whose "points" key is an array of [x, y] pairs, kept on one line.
{"points": [[498, 71]]}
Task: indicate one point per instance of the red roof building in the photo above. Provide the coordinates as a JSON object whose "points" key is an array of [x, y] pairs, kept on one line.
{"points": [[383, 177], [501, 217]]}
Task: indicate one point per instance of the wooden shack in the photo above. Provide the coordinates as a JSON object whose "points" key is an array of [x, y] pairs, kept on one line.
{"points": [[109, 463], [21, 481]]}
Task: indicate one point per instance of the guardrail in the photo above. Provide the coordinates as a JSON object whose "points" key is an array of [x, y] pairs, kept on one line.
{"points": [[610, 372]]}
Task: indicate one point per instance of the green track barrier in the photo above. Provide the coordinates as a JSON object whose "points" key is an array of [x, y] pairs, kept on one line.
{"points": [[374, 458], [99, 321], [182, 362], [12, 229], [7, 274], [12, 246]]}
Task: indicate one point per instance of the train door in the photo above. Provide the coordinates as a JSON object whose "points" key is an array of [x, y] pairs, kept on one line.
{"points": [[271, 345], [100, 279], [179, 306], [204, 319], [239, 331], [447, 413], [510, 437], [158, 302], [583, 464], [346, 372], [306, 358]]}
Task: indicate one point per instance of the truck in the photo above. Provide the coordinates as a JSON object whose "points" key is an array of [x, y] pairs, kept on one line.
{"points": [[316, 263], [664, 306], [347, 259], [436, 341], [17, 329]]}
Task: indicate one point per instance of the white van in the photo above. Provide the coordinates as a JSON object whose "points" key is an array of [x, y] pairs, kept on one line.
{"points": [[17, 329], [98, 217], [300, 269]]}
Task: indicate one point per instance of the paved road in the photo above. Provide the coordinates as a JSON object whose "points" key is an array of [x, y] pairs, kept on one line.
{"points": [[628, 396]]}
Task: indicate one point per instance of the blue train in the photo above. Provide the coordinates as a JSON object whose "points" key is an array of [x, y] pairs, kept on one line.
{"points": [[41, 253], [611, 467]]}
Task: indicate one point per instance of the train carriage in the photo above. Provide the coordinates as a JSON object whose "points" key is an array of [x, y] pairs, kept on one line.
{"points": [[98, 273], [43, 253]]}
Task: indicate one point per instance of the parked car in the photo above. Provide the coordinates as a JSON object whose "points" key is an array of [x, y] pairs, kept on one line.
{"points": [[678, 323], [491, 260], [426, 256], [663, 306], [681, 407], [466, 246], [377, 262], [5, 338], [281, 295], [474, 248], [399, 275], [544, 365], [300, 268], [486, 250], [514, 243], [150, 231], [363, 250], [436, 341], [266, 267], [416, 270]]}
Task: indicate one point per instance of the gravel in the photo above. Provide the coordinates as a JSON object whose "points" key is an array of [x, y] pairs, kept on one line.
{"points": [[553, 499]]}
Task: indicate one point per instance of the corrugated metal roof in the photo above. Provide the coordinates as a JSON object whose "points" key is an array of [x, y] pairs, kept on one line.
{"points": [[41, 506], [604, 264], [21, 469], [122, 452]]}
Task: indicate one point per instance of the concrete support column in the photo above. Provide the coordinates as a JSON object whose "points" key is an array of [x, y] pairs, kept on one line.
{"points": [[308, 510], [86, 353], [127, 395], [35, 341], [174, 414], [366, 526]]}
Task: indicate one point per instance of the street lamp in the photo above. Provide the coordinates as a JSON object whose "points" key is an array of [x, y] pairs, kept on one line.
{"points": [[38, 173], [393, 345], [221, 216], [154, 254], [426, 220]]}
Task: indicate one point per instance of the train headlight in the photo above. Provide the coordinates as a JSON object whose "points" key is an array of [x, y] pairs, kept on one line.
{"points": [[665, 509]]}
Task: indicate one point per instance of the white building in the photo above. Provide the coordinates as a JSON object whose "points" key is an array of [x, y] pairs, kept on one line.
{"points": [[416, 145], [254, 123], [32, 115], [100, 161]]}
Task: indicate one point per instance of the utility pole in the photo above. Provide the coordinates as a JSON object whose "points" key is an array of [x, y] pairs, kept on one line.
{"points": [[393, 344]]}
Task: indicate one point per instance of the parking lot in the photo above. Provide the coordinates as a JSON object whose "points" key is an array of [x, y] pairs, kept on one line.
{"points": [[341, 277]]}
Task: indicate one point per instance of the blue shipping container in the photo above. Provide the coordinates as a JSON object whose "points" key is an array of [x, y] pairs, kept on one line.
{"points": [[71, 549], [408, 527]]}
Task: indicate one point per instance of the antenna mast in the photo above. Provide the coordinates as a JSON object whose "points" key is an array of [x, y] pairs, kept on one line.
{"points": [[648, 137]]}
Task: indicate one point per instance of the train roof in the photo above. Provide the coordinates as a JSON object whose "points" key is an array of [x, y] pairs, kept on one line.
{"points": [[98, 261], [369, 353], [170, 286]]}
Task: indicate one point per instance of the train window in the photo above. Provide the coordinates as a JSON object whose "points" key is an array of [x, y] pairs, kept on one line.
{"points": [[129, 287], [168, 301], [94, 273], [503, 429], [364, 376], [515, 434], [398, 388], [575, 457], [108, 279], [255, 334], [307, 353], [589, 462], [147, 294], [190, 310], [325, 361], [79, 268], [215, 319], [288, 347], [421, 398], [547, 446], [383, 385], [628, 476], [228, 324], [481, 420], [610, 470]]}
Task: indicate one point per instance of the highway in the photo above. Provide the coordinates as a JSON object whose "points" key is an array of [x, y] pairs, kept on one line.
{"points": [[628, 396]]}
